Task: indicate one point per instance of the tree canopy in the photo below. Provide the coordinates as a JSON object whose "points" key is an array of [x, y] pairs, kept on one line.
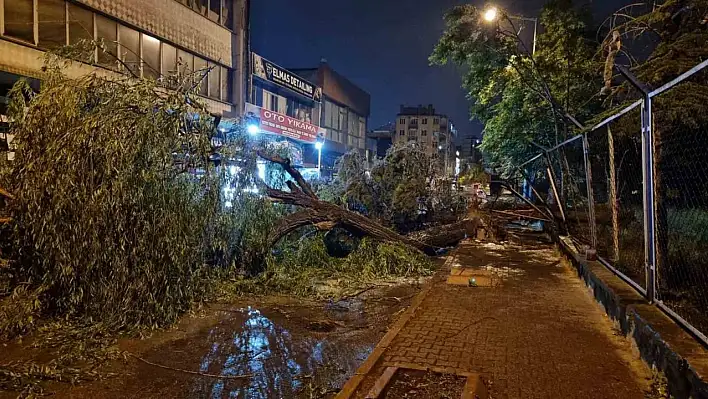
{"points": [[522, 98]]}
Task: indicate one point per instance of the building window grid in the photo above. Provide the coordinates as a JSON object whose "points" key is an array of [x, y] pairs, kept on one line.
{"points": [[130, 56], [218, 11]]}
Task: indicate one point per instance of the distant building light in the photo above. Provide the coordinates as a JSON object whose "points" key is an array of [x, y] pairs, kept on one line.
{"points": [[439, 147]]}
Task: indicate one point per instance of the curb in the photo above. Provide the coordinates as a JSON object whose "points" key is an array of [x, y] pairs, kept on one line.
{"points": [[662, 344], [351, 386]]}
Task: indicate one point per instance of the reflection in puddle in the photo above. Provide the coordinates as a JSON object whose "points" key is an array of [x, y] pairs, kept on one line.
{"points": [[281, 364]]}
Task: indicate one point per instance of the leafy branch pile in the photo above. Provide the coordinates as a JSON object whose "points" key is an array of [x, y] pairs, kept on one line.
{"points": [[305, 268], [405, 190]]}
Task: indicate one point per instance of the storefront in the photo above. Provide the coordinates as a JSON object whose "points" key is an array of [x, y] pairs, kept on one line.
{"points": [[286, 108]]}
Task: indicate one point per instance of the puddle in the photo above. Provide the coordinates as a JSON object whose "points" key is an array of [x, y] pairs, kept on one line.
{"points": [[288, 349], [281, 364]]}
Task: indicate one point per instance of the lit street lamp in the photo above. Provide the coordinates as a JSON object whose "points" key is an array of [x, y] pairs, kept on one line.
{"points": [[318, 146], [492, 14]]}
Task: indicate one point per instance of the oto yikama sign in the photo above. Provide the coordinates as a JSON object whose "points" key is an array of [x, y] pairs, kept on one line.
{"points": [[266, 70], [273, 122]]}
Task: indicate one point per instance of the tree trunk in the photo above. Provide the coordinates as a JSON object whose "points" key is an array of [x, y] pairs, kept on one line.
{"points": [[614, 201], [325, 216]]}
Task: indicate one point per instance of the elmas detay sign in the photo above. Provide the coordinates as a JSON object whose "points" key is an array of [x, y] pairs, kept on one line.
{"points": [[266, 70]]}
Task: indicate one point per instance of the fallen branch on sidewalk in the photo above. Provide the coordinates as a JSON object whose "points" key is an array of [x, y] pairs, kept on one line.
{"points": [[218, 376], [325, 216], [468, 325]]}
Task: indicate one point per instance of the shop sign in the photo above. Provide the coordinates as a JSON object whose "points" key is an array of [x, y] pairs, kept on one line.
{"points": [[266, 70], [283, 125]]}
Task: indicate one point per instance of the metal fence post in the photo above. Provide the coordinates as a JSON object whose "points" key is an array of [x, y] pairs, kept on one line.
{"points": [[649, 205], [552, 178], [588, 184]]}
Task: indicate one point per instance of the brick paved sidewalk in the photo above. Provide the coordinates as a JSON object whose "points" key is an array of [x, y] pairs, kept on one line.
{"points": [[531, 331]]}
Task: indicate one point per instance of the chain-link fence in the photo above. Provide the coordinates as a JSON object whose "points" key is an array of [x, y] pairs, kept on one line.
{"points": [[616, 164], [635, 188], [681, 198]]}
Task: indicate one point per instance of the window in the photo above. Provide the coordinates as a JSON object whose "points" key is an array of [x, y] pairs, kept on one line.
{"points": [[225, 84], [129, 41], [169, 59], [343, 119], [353, 124], [19, 20], [185, 62], [424, 132], [80, 24], [274, 103], [436, 121], [332, 114], [107, 30], [214, 81], [151, 57], [299, 110], [403, 121], [52, 23], [199, 6], [214, 10], [414, 121], [402, 132], [200, 67], [227, 14], [258, 96]]}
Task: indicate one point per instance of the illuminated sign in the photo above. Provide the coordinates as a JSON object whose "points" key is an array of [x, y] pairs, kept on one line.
{"points": [[266, 70], [283, 125]]}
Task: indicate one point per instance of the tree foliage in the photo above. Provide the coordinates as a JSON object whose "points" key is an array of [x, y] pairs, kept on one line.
{"points": [[119, 213], [404, 190], [522, 99]]}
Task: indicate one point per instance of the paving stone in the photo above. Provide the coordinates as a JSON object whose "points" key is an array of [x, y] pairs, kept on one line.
{"points": [[535, 334]]}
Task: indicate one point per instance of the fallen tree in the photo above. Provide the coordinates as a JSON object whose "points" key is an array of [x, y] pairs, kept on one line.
{"points": [[326, 216]]}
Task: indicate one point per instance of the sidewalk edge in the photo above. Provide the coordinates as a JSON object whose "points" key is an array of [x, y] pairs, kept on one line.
{"points": [[351, 386]]}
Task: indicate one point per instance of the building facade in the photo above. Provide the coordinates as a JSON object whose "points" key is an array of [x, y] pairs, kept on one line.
{"points": [[144, 38], [343, 115], [433, 132], [383, 138], [286, 109]]}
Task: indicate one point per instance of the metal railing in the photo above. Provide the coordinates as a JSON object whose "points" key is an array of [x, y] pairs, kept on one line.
{"points": [[634, 188]]}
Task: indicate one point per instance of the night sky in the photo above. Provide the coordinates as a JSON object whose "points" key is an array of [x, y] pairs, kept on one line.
{"points": [[380, 45]]}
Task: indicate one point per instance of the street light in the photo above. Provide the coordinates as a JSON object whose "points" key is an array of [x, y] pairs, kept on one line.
{"points": [[253, 129], [492, 14], [319, 145]]}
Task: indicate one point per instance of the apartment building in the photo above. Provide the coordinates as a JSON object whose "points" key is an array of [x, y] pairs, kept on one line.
{"points": [[150, 38], [433, 132]]}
